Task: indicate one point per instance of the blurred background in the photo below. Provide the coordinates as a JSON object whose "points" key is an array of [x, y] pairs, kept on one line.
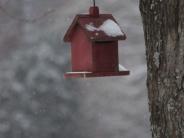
{"points": [[37, 102]]}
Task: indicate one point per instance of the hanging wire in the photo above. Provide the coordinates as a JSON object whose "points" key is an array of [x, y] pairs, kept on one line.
{"points": [[94, 3]]}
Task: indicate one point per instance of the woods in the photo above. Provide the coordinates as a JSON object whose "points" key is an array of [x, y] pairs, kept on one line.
{"points": [[37, 102], [163, 23]]}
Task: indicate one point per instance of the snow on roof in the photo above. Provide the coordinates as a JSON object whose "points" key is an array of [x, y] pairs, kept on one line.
{"points": [[109, 27], [91, 27], [103, 28]]}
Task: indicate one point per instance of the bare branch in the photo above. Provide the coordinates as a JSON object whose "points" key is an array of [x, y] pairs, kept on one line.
{"points": [[44, 15]]}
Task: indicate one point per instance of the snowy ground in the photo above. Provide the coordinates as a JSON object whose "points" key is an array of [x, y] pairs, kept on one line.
{"points": [[37, 102]]}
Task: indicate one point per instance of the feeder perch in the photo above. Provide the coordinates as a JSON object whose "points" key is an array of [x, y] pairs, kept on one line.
{"points": [[94, 45]]}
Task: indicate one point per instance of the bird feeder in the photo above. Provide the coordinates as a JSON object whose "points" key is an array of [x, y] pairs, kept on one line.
{"points": [[94, 45]]}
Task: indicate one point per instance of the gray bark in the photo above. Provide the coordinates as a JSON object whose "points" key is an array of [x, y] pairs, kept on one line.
{"points": [[163, 22]]}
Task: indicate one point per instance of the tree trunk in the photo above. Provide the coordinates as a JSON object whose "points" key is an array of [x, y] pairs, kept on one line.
{"points": [[163, 22]]}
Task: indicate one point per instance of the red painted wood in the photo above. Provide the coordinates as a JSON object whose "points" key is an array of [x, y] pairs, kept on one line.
{"points": [[96, 74], [94, 11], [81, 50], [105, 56]]}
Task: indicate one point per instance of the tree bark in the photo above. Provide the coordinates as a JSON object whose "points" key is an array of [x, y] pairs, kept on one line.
{"points": [[163, 22]]}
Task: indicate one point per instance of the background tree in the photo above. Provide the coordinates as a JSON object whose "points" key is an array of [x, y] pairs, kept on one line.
{"points": [[37, 102], [163, 22]]}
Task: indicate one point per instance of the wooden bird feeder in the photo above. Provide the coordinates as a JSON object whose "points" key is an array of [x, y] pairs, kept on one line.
{"points": [[94, 45]]}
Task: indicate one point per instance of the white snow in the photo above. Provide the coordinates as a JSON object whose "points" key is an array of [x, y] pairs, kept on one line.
{"points": [[90, 27], [84, 72], [122, 68], [109, 27]]}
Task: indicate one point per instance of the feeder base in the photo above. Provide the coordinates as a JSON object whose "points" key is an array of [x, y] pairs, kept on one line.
{"points": [[95, 74]]}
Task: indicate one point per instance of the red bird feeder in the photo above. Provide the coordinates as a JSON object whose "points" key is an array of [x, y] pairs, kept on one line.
{"points": [[94, 45]]}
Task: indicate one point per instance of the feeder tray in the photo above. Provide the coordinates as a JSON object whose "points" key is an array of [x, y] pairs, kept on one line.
{"points": [[85, 74], [95, 74]]}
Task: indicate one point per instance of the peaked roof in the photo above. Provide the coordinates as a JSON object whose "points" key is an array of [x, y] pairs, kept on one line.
{"points": [[82, 20]]}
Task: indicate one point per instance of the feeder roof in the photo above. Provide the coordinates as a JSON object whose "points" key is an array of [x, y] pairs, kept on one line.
{"points": [[102, 28]]}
